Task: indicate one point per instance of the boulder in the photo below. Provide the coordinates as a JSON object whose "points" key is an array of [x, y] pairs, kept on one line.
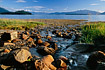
{"points": [[9, 35], [92, 62], [15, 57], [21, 55], [45, 50], [39, 65], [47, 60]]}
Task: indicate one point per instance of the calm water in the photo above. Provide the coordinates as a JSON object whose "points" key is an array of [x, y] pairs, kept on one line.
{"points": [[86, 17]]}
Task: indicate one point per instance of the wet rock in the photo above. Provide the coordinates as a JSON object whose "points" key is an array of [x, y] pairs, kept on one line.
{"points": [[48, 37], [37, 36], [73, 30], [65, 35], [39, 41], [21, 55], [9, 35], [47, 60], [68, 31], [81, 48], [27, 33], [59, 34], [16, 40], [2, 43], [55, 32], [92, 62], [30, 39], [26, 48], [54, 46], [39, 65], [61, 65], [45, 50], [15, 57], [32, 36], [24, 36], [46, 44], [6, 50], [63, 58]]}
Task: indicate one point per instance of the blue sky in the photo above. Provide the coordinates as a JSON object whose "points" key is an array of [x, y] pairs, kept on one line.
{"points": [[53, 5]]}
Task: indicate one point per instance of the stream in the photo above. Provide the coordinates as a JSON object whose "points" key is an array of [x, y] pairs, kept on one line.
{"points": [[66, 47]]}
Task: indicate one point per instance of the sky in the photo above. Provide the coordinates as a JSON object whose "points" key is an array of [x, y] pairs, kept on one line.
{"points": [[53, 5]]}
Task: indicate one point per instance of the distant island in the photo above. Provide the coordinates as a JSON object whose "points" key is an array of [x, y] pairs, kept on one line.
{"points": [[21, 12]]}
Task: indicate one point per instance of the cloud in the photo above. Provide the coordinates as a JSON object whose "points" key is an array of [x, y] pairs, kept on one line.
{"points": [[35, 1], [101, 11], [66, 8], [35, 7], [21, 1], [102, 0], [50, 9], [94, 4]]}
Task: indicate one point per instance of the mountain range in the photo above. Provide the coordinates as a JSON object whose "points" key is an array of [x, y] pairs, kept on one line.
{"points": [[78, 12]]}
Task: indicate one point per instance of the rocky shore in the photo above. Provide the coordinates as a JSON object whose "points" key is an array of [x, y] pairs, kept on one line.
{"points": [[47, 48]]}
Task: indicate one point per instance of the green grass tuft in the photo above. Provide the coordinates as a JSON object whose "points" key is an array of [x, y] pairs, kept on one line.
{"points": [[93, 33]]}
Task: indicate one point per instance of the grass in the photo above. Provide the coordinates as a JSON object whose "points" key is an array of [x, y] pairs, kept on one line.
{"points": [[94, 33], [18, 24]]}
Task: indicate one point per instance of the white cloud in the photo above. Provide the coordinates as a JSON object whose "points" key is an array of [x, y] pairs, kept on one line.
{"points": [[20, 1], [66, 8], [102, 0], [94, 4], [100, 11], [35, 1], [36, 7], [50, 9]]}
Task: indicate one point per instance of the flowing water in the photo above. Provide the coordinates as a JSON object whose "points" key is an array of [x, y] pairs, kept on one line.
{"points": [[75, 58]]}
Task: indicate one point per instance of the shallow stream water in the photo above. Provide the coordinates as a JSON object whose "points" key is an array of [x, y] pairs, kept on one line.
{"points": [[76, 59]]}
